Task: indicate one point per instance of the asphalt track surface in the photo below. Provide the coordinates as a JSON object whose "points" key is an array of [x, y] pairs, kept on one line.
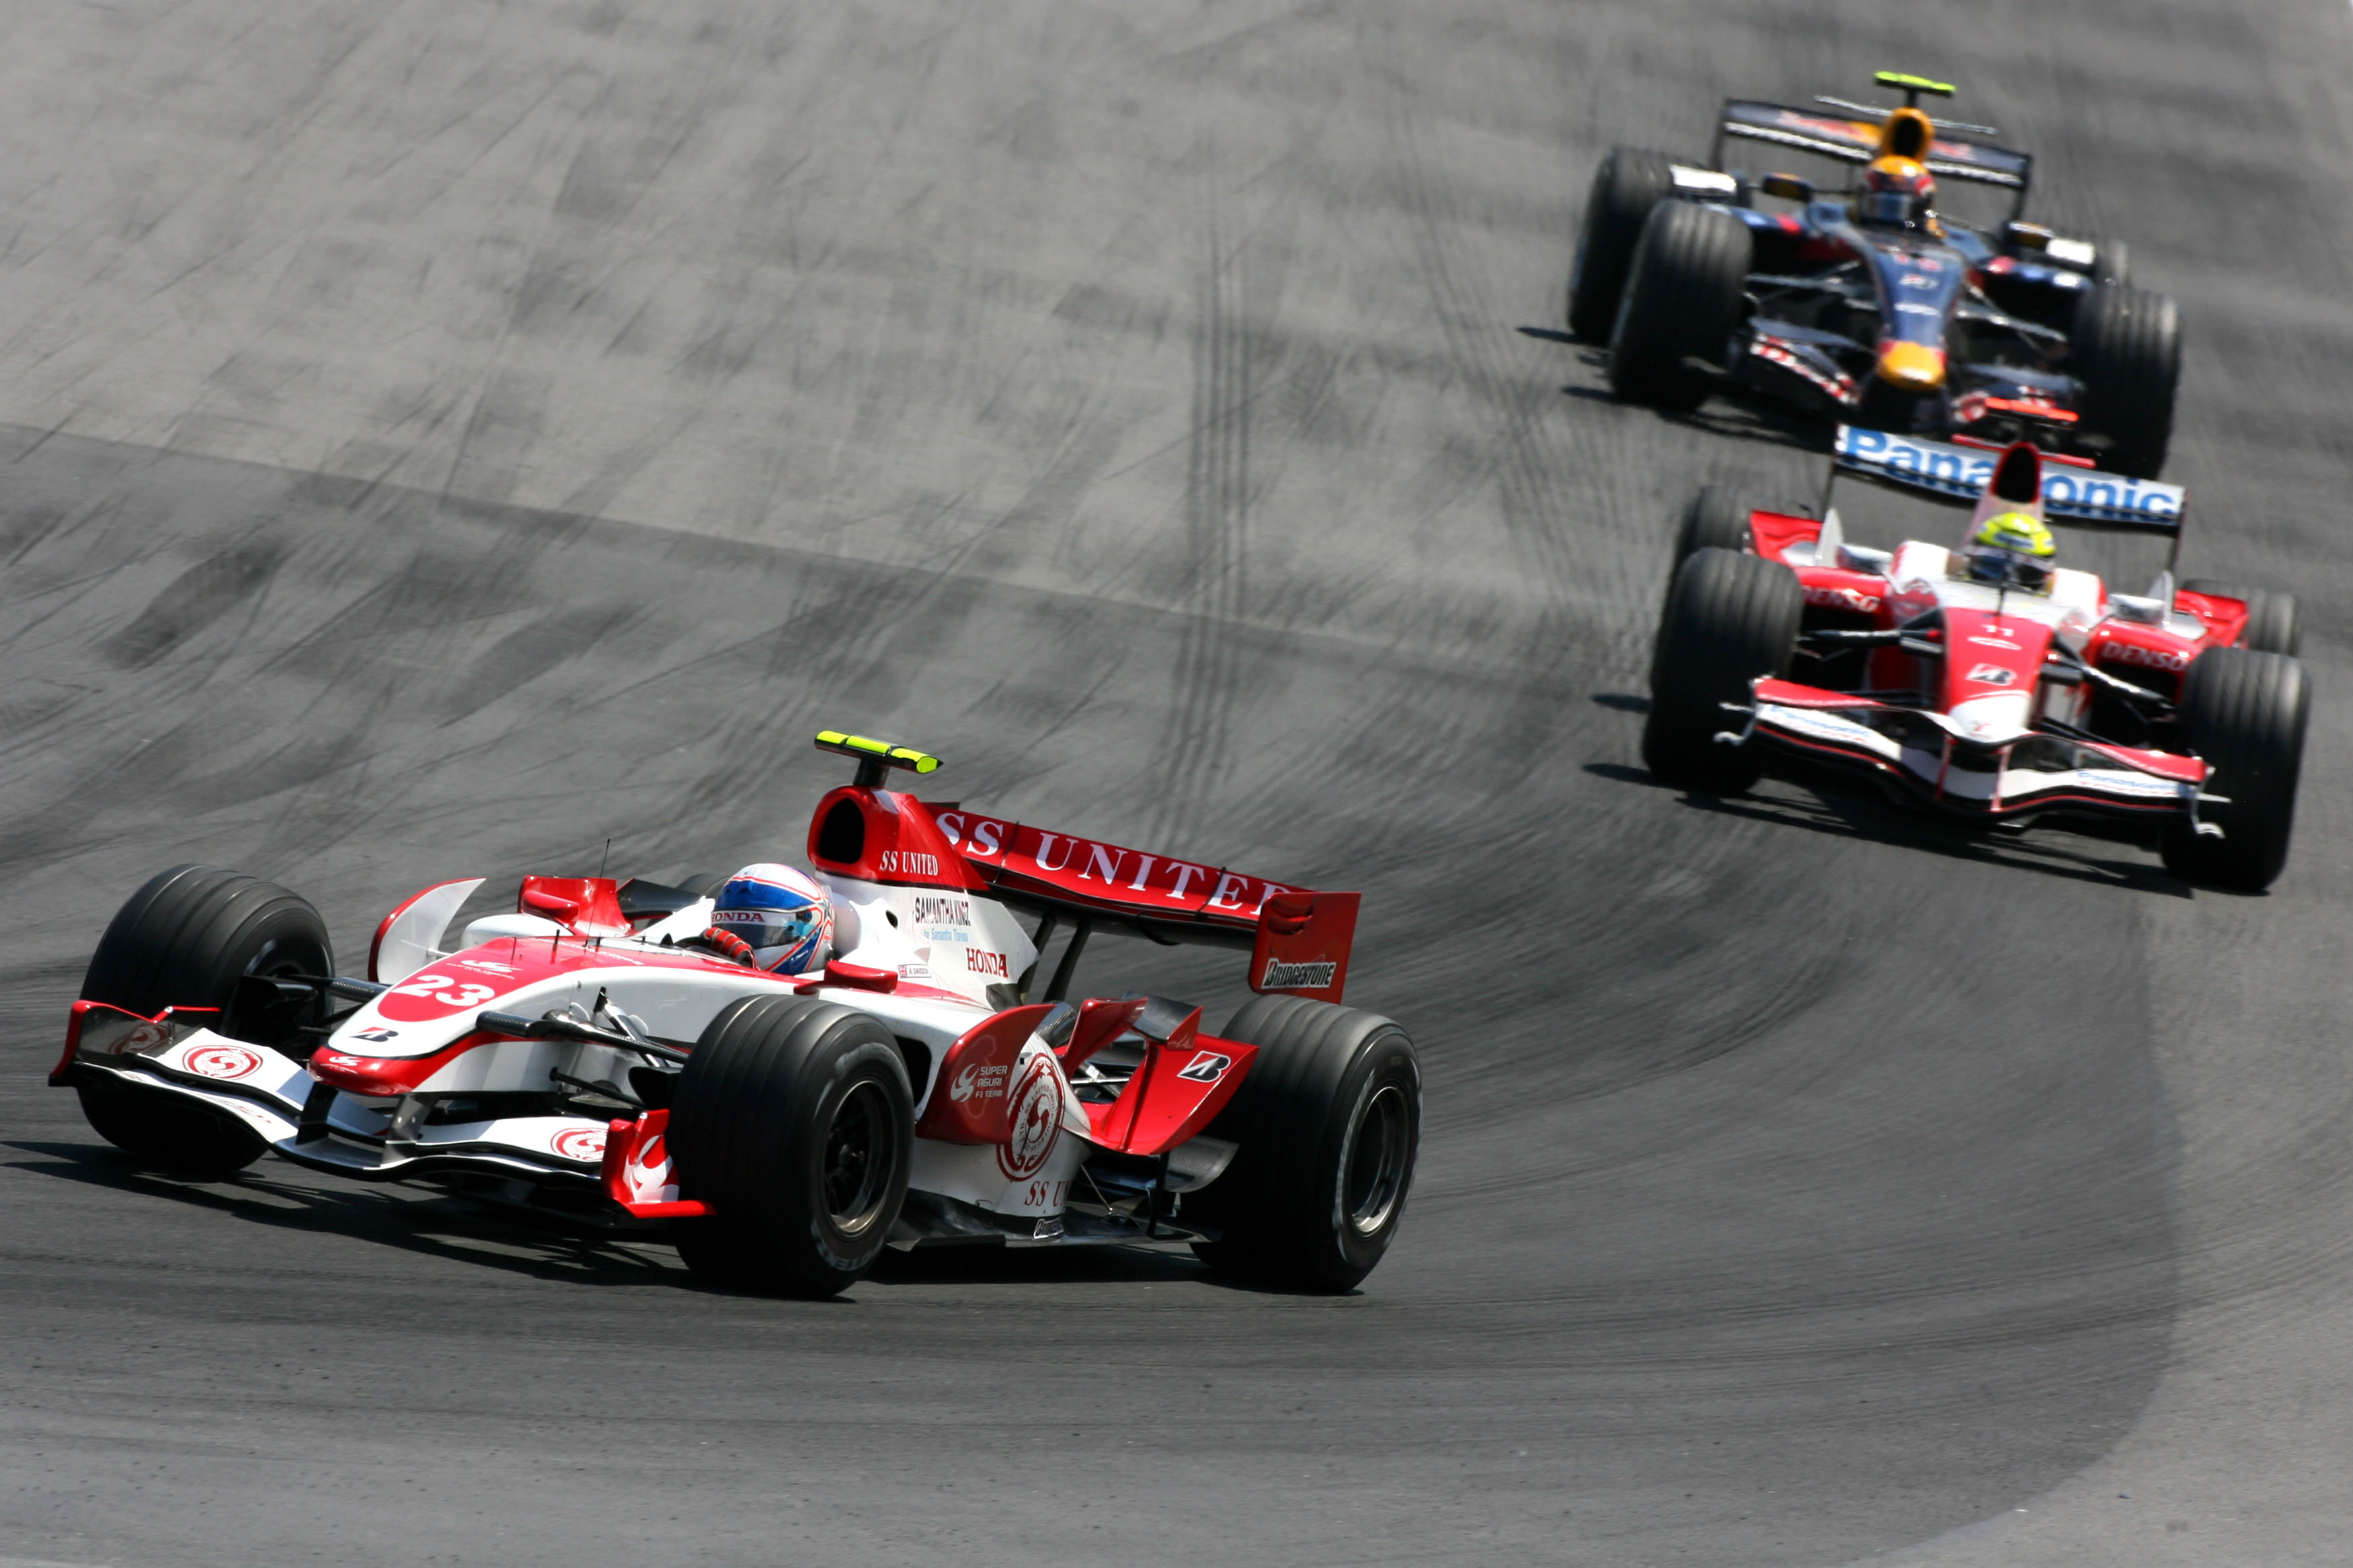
{"points": [[441, 437]]}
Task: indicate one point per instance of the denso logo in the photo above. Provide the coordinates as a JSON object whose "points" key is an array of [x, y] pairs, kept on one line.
{"points": [[2147, 657], [1842, 599]]}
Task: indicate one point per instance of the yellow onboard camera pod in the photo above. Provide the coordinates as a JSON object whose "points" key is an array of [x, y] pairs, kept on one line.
{"points": [[875, 758], [1912, 86]]}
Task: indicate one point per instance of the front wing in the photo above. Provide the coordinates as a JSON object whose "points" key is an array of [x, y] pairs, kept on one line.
{"points": [[2032, 773]]}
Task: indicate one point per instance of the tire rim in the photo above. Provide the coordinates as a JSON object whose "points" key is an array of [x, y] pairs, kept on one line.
{"points": [[860, 1148], [1376, 1162]]}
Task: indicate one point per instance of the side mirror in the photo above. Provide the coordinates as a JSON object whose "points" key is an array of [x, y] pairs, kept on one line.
{"points": [[2027, 236], [1789, 187]]}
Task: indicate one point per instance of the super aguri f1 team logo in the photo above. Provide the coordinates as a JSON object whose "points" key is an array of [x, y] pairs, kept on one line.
{"points": [[1034, 1121], [223, 1061], [580, 1144]]}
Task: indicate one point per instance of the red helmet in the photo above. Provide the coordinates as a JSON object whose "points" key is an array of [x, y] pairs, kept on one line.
{"points": [[1897, 192]]}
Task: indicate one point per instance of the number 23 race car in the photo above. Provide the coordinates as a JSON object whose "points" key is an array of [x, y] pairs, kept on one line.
{"points": [[598, 1054]]}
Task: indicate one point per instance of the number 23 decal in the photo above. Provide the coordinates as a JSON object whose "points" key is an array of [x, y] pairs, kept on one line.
{"points": [[463, 994]]}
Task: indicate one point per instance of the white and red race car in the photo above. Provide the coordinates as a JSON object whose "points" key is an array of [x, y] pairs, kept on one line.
{"points": [[2185, 705], [581, 1055]]}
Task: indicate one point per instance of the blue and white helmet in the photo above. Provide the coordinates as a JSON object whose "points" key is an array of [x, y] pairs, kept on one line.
{"points": [[782, 912]]}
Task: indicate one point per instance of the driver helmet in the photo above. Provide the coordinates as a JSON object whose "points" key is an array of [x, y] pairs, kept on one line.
{"points": [[2010, 550], [1897, 192], [782, 913]]}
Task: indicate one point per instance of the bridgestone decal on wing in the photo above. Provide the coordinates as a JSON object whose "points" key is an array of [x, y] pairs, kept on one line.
{"points": [[1281, 976]]}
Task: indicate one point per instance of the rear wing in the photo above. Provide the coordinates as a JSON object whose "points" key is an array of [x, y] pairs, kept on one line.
{"points": [[1299, 939], [1856, 141], [2085, 497]]}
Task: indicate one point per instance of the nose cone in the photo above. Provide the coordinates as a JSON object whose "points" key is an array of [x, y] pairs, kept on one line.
{"points": [[1913, 367]]}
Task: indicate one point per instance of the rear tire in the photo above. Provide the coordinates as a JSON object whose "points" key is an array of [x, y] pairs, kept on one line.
{"points": [[2112, 264], [1629, 183], [1684, 298], [187, 939], [2126, 354], [1329, 1124], [1730, 617], [1715, 517], [794, 1120], [2244, 712], [2273, 626]]}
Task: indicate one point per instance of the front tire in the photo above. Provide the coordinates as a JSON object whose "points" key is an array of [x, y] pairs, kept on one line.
{"points": [[1683, 301], [1329, 1124], [1730, 617], [2244, 713], [1629, 183], [2126, 354], [191, 938], [793, 1118]]}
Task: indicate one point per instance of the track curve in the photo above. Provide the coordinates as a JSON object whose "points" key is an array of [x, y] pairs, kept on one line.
{"points": [[441, 439]]}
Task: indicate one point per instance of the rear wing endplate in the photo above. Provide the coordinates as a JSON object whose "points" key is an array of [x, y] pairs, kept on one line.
{"points": [[2086, 498]]}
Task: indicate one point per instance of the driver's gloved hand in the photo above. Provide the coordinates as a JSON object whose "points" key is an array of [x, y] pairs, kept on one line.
{"points": [[725, 943]]}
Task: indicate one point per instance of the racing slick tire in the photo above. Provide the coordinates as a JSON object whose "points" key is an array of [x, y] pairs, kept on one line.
{"points": [[1715, 517], [1730, 617], [2244, 713], [2127, 352], [1684, 298], [188, 938], [1629, 183], [793, 1118], [2272, 622], [1328, 1123], [2112, 263]]}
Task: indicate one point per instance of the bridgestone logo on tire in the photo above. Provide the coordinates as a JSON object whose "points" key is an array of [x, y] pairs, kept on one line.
{"points": [[1281, 976]]}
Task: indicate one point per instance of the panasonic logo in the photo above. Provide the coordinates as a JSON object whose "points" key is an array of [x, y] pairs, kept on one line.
{"points": [[1281, 976]]}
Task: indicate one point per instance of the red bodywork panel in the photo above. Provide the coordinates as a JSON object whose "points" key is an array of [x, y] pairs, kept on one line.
{"points": [[1182, 1084], [389, 1078], [585, 906], [2226, 619], [1986, 656], [1100, 1023], [1775, 532], [641, 1145], [2143, 650], [972, 1097]]}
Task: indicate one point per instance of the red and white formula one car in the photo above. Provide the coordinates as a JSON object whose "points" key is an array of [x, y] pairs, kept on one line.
{"points": [[1988, 696], [580, 1054]]}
